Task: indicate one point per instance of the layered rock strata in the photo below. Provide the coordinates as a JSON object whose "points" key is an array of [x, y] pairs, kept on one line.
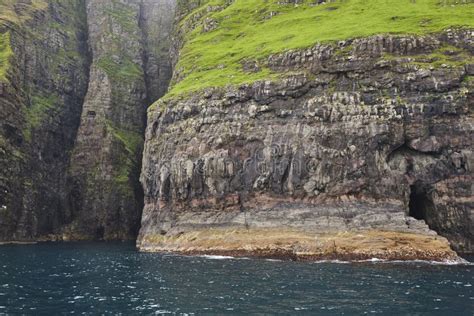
{"points": [[364, 135]]}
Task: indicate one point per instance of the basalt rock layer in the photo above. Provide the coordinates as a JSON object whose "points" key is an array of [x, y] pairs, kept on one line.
{"points": [[361, 135]]}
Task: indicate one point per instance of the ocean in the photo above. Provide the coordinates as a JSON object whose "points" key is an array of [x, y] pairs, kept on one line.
{"points": [[113, 278]]}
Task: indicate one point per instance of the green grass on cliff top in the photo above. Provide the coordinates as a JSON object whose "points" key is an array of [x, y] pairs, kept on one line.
{"points": [[253, 30]]}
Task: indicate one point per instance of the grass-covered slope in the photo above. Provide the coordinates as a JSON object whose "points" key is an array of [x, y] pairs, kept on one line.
{"points": [[221, 36]]}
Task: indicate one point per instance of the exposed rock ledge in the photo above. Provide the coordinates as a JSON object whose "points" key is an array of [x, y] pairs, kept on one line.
{"points": [[303, 245]]}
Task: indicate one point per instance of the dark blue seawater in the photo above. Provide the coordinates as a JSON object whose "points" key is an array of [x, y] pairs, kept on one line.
{"points": [[112, 278]]}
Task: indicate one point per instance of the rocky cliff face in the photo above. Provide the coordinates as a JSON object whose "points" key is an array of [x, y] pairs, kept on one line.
{"points": [[346, 148], [78, 79], [367, 134], [40, 106]]}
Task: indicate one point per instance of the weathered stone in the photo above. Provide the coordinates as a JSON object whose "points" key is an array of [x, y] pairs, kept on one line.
{"points": [[367, 147], [40, 108], [73, 114], [105, 196]]}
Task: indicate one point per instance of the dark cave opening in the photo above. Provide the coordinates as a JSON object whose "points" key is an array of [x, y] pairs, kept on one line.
{"points": [[99, 234], [418, 203]]}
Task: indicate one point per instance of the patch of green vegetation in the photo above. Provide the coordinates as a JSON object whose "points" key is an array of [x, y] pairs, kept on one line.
{"points": [[69, 22], [448, 56], [15, 12], [126, 161], [122, 177], [124, 15], [38, 110], [468, 79], [131, 140], [5, 54], [14, 15], [253, 30], [124, 70]]}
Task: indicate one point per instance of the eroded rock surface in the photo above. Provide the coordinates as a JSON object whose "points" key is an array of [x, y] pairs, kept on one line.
{"points": [[301, 245], [40, 108], [363, 135], [72, 106], [129, 68]]}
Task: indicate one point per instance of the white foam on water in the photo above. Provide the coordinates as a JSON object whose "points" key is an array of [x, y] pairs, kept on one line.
{"points": [[217, 257], [445, 262], [385, 261], [372, 260], [300, 308], [331, 261], [459, 261]]}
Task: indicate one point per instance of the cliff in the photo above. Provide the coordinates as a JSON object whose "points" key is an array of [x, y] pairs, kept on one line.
{"points": [[299, 128], [43, 83], [77, 77], [264, 147]]}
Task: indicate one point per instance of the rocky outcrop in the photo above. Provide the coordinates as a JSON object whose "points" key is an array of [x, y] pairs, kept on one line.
{"points": [[79, 78], [303, 245], [373, 134]]}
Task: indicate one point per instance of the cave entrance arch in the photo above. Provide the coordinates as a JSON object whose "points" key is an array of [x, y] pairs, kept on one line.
{"points": [[99, 234], [422, 207], [418, 203]]}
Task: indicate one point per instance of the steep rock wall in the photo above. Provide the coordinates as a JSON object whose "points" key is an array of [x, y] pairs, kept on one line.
{"points": [[105, 202], [79, 76], [129, 68], [366, 134], [40, 105]]}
